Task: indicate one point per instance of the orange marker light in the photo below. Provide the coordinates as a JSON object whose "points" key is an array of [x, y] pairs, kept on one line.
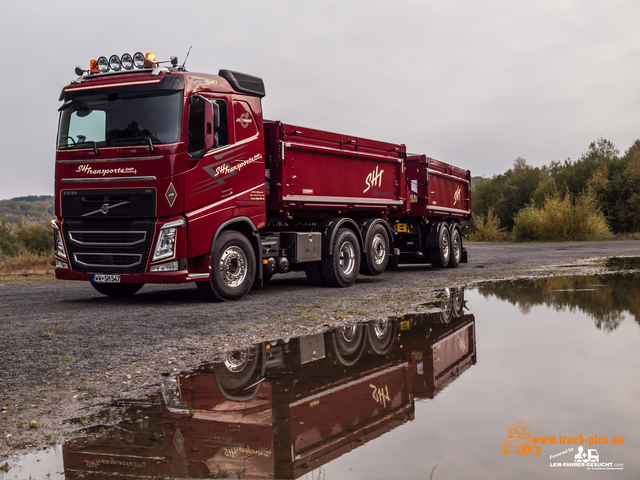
{"points": [[149, 60], [93, 66]]}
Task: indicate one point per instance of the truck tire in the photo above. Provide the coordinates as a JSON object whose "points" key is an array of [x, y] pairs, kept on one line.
{"points": [[380, 336], [314, 274], [233, 268], [377, 256], [439, 256], [347, 345], [117, 289], [456, 248], [341, 268]]}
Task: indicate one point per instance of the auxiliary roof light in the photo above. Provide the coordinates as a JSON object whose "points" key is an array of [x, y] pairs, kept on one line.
{"points": [[114, 63], [138, 60], [103, 64], [127, 61]]}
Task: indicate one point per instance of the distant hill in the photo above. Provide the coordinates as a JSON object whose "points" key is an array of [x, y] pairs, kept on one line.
{"points": [[30, 209], [475, 180]]}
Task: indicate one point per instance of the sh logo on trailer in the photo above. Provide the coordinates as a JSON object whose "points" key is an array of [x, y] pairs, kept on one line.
{"points": [[374, 179]]}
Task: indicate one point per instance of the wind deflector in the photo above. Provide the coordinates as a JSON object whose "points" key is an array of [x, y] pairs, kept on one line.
{"points": [[241, 82]]}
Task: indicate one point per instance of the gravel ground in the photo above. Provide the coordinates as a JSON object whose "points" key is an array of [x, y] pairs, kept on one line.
{"points": [[67, 352]]}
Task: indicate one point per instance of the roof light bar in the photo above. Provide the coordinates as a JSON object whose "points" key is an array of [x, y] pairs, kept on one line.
{"points": [[124, 62]]}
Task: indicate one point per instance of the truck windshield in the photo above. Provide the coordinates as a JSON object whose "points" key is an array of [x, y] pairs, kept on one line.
{"points": [[121, 119]]}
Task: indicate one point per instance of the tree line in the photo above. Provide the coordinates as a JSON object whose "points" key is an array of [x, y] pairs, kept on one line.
{"points": [[593, 197]]}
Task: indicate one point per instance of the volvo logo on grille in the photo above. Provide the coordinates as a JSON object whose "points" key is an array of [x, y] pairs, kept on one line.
{"points": [[105, 208]]}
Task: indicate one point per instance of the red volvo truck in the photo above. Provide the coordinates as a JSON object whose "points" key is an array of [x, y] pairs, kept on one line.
{"points": [[167, 176]]}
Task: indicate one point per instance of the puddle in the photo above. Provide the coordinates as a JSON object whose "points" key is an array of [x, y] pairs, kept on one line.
{"points": [[508, 380]]}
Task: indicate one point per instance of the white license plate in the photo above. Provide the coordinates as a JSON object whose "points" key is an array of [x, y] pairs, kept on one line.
{"points": [[103, 278]]}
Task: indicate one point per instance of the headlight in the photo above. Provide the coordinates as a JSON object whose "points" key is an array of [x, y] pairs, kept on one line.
{"points": [[57, 240], [166, 243]]}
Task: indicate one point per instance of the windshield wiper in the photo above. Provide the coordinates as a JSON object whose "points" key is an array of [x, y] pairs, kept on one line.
{"points": [[95, 146], [148, 139]]}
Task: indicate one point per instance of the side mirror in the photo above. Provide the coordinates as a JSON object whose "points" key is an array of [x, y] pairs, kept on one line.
{"points": [[209, 138]]}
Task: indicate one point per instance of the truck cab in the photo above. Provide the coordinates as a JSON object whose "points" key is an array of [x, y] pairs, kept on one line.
{"points": [[146, 157]]}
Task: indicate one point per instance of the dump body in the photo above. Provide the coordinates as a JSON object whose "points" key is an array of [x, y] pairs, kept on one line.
{"points": [[437, 188], [322, 171]]}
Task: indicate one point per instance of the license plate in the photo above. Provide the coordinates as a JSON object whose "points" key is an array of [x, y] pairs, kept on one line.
{"points": [[103, 278]]}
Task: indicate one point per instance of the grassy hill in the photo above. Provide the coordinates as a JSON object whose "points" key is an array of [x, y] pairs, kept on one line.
{"points": [[30, 210]]}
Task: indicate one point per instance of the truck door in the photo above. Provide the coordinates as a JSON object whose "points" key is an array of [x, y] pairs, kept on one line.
{"points": [[209, 182]]}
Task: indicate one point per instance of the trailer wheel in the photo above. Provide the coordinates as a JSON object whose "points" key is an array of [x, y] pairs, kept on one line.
{"points": [[347, 345], [439, 256], [341, 269], [313, 273], [233, 268], [456, 248], [117, 289], [377, 256]]}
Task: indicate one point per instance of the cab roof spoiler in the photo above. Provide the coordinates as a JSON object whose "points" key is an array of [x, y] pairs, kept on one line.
{"points": [[241, 82]]}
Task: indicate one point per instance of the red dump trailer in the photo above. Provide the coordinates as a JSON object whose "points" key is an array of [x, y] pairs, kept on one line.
{"points": [[167, 176]]}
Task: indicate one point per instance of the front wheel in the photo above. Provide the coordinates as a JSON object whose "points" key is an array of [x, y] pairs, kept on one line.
{"points": [[117, 289], [233, 268]]}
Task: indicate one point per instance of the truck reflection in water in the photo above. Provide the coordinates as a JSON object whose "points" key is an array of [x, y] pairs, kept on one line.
{"points": [[281, 409]]}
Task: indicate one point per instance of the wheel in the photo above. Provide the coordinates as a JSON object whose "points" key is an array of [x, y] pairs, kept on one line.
{"points": [[456, 248], [117, 289], [236, 372], [313, 272], [377, 256], [457, 302], [233, 268], [439, 257], [380, 336], [341, 269], [347, 345]]}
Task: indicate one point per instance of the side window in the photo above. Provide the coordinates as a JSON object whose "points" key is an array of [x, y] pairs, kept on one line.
{"points": [[221, 127], [196, 126]]}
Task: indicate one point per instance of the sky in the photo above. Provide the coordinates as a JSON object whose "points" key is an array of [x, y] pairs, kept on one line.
{"points": [[471, 82]]}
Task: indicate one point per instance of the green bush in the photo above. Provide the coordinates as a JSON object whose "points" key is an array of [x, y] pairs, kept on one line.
{"points": [[37, 239], [562, 219], [486, 228]]}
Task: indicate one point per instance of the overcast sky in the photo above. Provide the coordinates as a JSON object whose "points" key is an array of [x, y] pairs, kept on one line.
{"points": [[473, 83]]}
